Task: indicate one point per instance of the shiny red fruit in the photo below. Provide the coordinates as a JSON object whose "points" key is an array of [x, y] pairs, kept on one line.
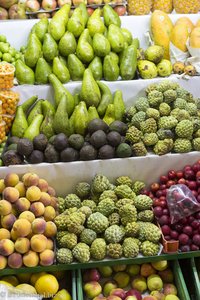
{"points": [[172, 174], [164, 179], [179, 174], [155, 186]]}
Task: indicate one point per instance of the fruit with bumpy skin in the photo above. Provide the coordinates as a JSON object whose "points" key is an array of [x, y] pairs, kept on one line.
{"points": [[69, 240], [139, 7], [72, 200], [133, 135], [128, 213], [87, 236], [139, 149], [106, 207], [64, 256], [142, 104], [124, 191], [114, 219], [97, 222], [108, 194], [182, 145], [98, 249], [100, 183], [130, 248], [143, 202], [149, 249], [131, 229], [145, 216], [184, 129], [82, 189], [114, 250], [114, 234], [81, 252], [150, 139], [148, 126]]}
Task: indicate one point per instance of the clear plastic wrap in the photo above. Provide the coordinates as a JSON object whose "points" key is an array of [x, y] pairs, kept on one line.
{"points": [[11, 293], [181, 202]]}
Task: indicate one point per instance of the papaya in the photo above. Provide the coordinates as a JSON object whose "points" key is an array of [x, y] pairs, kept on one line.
{"points": [[195, 38], [181, 32], [161, 28]]}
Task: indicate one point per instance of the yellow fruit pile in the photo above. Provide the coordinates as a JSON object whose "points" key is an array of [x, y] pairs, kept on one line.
{"points": [[27, 209]]}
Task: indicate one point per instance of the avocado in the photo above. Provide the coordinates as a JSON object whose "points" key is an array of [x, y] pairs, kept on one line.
{"points": [[12, 157], [76, 141], [113, 138], [97, 124], [60, 141], [24, 146], [36, 157], [69, 154], [50, 154], [12, 140], [51, 140], [123, 150], [118, 126], [106, 152], [40, 142], [98, 139], [88, 152], [12, 147]]}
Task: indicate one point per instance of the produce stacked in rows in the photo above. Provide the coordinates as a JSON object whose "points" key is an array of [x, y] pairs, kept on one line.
{"points": [[166, 120], [102, 220], [65, 46], [7, 52], [148, 281], [187, 229], [28, 208], [47, 285]]}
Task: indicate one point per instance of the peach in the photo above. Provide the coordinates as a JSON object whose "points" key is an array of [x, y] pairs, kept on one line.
{"points": [[133, 270], [25, 176], [118, 268], [109, 286], [38, 225], [8, 221], [4, 234], [21, 188], [24, 277], [5, 207], [49, 213], [51, 191], [29, 236], [14, 210], [118, 292], [37, 208], [92, 289], [11, 194], [13, 234], [169, 289], [147, 270], [167, 275], [31, 179], [30, 259], [45, 199], [43, 185], [22, 245], [47, 257], [2, 185], [22, 227], [3, 262], [122, 279], [22, 204], [15, 260], [33, 193], [11, 179], [51, 229], [50, 244], [38, 242], [6, 247], [54, 202], [149, 298], [27, 215]]}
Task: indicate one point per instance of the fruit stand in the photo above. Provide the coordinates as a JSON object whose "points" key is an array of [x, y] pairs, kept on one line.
{"points": [[69, 216]]}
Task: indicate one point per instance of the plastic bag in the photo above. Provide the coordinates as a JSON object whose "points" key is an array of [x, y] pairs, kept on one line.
{"points": [[181, 202], [12, 293]]}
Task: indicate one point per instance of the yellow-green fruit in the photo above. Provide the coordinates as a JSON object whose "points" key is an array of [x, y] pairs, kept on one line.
{"points": [[186, 6], [164, 5], [139, 7], [62, 295], [164, 68], [154, 283]]}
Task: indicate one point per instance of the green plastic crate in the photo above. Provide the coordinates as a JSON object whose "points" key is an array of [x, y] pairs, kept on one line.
{"points": [[195, 278], [178, 278], [73, 291]]}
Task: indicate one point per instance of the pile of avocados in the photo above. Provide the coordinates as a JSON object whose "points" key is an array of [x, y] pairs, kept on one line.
{"points": [[102, 141]]}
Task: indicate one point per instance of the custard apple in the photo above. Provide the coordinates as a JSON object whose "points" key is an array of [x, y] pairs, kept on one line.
{"points": [[114, 234], [97, 222], [81, 252], [64, 256], [98, 249], [143, 202]]}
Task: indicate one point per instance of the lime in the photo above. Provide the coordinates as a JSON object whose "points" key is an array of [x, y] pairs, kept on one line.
{"points": [[4, 47], [17, 55], [23, 49], [3, 38], [7, 57], [12, 51]]}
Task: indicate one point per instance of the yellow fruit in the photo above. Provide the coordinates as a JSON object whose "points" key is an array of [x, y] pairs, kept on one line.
{"points": [[197, 23], [161, 28], [62, 295], [26, 288], [5, 282], [195, 38], [164, 5], [36, 276], [139, 7], [186, 6], [181, 32], [11, 279], [47, 285]]}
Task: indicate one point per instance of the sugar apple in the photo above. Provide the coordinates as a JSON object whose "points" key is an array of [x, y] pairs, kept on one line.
{"points": [[169, 96], [97, 222], [184, 129], [196, 144], [128, 213], [64, 256], [148, 126], [168, 122], [81, 252], [114, 234], [130, 248], [182, 145], [152, 233], [155, 98], [114, 219], [100, 183], [106, 207], [146, 215], [138, 118], [98, 249], [87, 236], [143, 202], [90, 203], [69, 240], [150, 139], [153, 113], [142, 104], [124, 191], [123, 201], [61, 205], [133, 135], [139, 149], [138, 186], [86, 210], [132, 229], [124, 180], [164, 146], [82, 190], [61, 222], [72, 200], [108, 194], [164, 109], [114, 250], [149, 249]]}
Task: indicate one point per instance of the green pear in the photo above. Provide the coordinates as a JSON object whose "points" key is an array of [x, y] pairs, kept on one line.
{"points": [[42, 71], [36, 110], [40, 28], [114, 56], [47, 124], [46, 107], [20, 123], [26, 105], [34, 128], [23, 73], [96, 67], [49, 48], [67, 44], [76, 68], [110, 16], [115, 38], [59, 90], [76, 23], [128, 63], [59, 21], [90, 92], [127, 35], [84, 49], [81, 118], [101, 45], [33, 51], [84, 11], [76, 99], [119, 105], [110, 69], [60, 70], [92, 113], [106, 98], [61, 121], [109, 116], [63, 59], [95, 23]]}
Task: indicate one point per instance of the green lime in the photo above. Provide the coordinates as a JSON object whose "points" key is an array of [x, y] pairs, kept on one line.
{"points": [[12, 51], [3, 38], [7, 57], [17, 56], [4, 47], [23, 49], [12, 59]]}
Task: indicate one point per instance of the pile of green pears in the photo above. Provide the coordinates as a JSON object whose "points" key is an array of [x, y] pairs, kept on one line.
{"points": [[67, 46], [69, 114]]}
